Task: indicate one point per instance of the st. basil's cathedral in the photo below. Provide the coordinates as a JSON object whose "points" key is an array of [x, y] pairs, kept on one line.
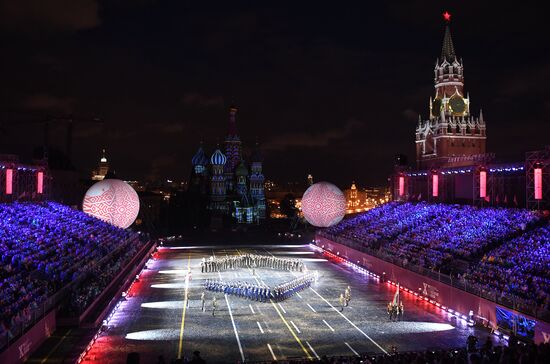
{"points": [[231, 186]]}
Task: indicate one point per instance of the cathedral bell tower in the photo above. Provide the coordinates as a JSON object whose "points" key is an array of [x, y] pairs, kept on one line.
{"points": [[232, 149], [451, 136]]}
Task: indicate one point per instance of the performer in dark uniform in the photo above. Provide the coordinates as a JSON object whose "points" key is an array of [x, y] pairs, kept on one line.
{"points": [[214, 305]]}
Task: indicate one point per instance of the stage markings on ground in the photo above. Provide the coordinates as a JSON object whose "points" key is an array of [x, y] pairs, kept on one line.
{"points": [[260, 327], [340, 313], [233, 323], [295, 327], [330, 327], [312, 309], [272, 353], [313, 350], [352, 349], [251, 309], [282, 318], [182, 326], [348, 320]]}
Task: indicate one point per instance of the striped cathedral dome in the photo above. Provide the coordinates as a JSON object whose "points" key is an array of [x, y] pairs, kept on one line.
{"points": [[218, 158], [200, 159]]}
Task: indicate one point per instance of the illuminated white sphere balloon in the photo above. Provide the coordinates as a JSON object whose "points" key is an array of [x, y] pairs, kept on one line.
{"points": [[113, 201], [323, 204]]}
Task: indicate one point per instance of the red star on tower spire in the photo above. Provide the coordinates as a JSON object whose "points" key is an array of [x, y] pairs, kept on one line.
{"points": [[447, 16]]}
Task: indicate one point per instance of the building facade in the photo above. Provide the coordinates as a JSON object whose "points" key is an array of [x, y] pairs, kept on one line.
{"points": [[24, 182], [233, 187], [451, 136], [452, 163], [102, 169]]}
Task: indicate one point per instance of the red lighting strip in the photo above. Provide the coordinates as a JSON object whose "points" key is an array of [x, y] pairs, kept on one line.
{"points": [[127, 293], [401, 185]]}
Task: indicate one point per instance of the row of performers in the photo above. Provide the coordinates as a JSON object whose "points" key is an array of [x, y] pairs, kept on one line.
{"points": [[262, 293], [395, 310], [251, 261]]}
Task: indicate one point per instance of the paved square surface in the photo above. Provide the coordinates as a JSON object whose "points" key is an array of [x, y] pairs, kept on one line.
{"points": [[155, 321]]}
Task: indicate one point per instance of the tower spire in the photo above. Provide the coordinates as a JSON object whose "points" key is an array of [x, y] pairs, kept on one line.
{"points": [[448, 49], [232, 120]]}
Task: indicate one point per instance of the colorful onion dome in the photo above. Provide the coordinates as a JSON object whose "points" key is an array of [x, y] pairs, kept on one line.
{"points": [[200, 158], [218, 158]]}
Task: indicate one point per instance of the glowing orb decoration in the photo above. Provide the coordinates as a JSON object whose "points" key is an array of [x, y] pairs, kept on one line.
{"points": [[113, 201], [323, 204]]}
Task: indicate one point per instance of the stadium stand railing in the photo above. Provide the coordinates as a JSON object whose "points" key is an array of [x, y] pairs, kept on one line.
{"points": [[44, 308], [68, 232], [375, 244]]}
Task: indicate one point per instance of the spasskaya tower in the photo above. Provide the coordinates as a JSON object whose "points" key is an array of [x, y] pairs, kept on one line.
{"points": [[451, 136]]}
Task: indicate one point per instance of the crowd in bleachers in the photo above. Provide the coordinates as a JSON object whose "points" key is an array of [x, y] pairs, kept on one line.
{"points": [[100, 277], [507, 249], [43, 247], [519, 267]]}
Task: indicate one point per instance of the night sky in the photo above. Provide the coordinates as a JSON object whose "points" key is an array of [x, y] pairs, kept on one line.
{"points": [[328, 88]]}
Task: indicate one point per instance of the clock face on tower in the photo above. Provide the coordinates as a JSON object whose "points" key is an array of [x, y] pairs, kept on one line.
{"points": [[436, 107], [457, 104]]}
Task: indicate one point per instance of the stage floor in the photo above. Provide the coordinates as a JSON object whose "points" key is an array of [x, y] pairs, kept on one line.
{"points": [[153, 320]]}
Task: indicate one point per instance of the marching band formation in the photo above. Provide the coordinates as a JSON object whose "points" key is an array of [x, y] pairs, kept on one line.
{"points": [[251, 261], [262, 293]]}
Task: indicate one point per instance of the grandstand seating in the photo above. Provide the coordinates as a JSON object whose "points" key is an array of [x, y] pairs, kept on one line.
{"points": [[507, 249], [519, 267], [45, 246]]}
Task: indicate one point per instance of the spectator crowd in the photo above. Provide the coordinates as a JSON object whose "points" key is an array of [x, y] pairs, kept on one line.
{"points": [[44, 247], [505, 251]]}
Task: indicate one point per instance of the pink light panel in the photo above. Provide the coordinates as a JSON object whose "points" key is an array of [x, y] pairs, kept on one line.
{"points": [[435, 185], [40, 182], [401, 186], [538, 183], [482, 184], [9, 181]]}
